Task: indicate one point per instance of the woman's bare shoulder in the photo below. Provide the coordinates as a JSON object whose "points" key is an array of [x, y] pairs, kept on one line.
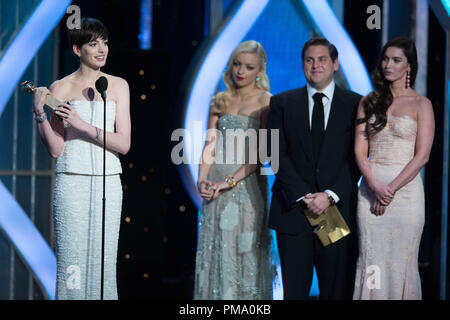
{"points": [[266, 95], [61, 88], [423, 101], [117, 86], [424, 105], [264, 99], [116, 81]]}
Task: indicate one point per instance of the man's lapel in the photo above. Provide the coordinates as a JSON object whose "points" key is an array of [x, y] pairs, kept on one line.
{"points": [[334, 121], [301, 120]]}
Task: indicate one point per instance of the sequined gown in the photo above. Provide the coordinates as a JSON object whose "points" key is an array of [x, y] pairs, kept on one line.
{"points": [[233, 255], [77, 211], [387, 266]]}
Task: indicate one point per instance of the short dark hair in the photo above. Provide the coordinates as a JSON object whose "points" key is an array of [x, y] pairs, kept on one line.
{"points": [[321, 42], [91, 29]]}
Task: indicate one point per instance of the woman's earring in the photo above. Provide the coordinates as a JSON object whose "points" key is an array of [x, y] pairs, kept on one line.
{"points": [[408, 80], [258, 78]]}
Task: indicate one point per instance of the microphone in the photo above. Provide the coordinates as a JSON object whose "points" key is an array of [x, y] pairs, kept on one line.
{"points": [[101, 85]]}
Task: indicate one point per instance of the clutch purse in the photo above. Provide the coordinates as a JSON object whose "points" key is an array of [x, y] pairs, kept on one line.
{"points": [[329, 226]]}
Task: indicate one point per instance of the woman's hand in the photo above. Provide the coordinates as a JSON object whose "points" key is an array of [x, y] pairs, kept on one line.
{"points": [[377, 208], [206, 189], [66, 113], [39, 95], [219, 188], [384, 193]]}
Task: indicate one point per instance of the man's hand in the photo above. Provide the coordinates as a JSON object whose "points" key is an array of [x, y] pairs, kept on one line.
{"points": [[318, 202]]}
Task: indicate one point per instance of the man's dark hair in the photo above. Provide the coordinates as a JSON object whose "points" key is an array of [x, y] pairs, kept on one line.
{"points": [[321, 42]]}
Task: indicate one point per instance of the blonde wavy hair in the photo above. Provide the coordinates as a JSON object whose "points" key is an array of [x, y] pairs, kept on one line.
{"points": [[219, 101]]}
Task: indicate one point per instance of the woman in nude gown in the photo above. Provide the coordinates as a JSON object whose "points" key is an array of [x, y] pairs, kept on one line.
{"points": [[394, 135]]}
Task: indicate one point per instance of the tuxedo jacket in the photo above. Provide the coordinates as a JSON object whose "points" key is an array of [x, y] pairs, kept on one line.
{"points": [[297, 174]]}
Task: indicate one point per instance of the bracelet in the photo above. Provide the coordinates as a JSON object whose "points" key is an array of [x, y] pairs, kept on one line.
{"points": [[231, 182], [38, 113], [97, 131], [40, 119]]}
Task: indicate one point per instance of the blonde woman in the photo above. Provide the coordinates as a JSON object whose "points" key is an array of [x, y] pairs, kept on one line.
{"points": [[233, 256]]}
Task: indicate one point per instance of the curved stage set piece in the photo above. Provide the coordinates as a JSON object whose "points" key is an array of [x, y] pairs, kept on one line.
{"points": [[30, 40], [251, 20]]}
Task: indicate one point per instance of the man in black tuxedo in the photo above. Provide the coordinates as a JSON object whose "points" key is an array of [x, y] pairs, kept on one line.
{"points": [[316, 168]]}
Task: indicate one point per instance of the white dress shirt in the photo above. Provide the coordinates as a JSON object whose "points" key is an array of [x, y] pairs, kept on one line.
{"points": [[326, 100]]}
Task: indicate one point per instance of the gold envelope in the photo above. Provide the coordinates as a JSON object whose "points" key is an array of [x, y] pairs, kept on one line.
{"points": [[329, 226]]}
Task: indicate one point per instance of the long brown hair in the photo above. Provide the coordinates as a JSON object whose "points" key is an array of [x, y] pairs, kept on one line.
{"points": [[379, 100]]}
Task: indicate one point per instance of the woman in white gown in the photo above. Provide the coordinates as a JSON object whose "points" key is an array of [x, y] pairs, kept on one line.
{"points": [[75, 138]]}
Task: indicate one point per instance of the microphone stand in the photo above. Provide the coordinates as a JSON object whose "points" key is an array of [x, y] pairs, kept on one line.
{"points": [[104, 194]]}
